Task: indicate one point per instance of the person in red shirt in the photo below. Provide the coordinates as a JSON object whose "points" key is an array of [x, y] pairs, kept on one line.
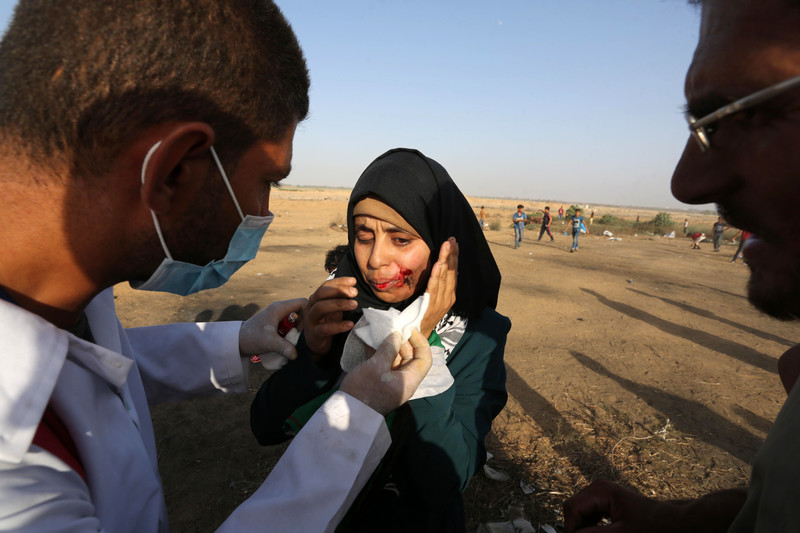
{"points": [[745, 235], [697, 238]]}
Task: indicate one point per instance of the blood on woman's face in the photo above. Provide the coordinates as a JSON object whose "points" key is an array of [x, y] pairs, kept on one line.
{"points": [[394, 262]]}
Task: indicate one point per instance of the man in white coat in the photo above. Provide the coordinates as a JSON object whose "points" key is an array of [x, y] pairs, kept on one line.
{"points": [[138, 142]]}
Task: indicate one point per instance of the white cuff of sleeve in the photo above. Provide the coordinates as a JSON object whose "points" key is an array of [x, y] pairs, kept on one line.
{"points": [[320, 474]]}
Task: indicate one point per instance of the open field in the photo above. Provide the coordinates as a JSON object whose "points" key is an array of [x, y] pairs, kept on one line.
{"points": [[637, 360]]}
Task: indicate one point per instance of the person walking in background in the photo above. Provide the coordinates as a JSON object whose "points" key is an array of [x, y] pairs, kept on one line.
{"points": [[519, 219], [745, 235], [685, 226], [561, 214], [577, 222], [716, 233], [546, 219], [591, 218], [483, 217]]}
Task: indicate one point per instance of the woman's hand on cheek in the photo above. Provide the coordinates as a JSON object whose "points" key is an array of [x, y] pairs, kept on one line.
{"points": [[441, 286], [323, 316]]}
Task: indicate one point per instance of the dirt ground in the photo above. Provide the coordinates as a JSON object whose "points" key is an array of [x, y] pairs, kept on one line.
{"points": [[638, 360]]}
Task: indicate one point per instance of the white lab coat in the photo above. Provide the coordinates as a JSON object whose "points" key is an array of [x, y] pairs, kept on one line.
{"points": [[101, 391]]}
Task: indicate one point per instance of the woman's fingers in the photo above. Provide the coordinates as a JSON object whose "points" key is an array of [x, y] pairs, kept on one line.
{"points": [[447, 274], [319, 311], [451, 272], [334, 288], [323, 316], [441, 285], [444, 272]]}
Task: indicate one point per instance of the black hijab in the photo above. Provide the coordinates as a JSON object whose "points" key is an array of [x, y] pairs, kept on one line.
{"points": [[423, 193]]}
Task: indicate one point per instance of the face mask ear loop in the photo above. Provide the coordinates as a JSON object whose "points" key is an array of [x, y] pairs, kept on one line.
{"points": [[225, 179], [153, 213]]}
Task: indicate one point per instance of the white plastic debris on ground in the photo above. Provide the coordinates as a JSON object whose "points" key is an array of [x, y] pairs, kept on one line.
{"points": [[518, 525], [670, 235], [495, 475], [608, 233], [515, 514]]}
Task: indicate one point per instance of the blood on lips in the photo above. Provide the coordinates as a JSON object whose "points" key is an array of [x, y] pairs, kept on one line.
{"points": [[402, 277]]}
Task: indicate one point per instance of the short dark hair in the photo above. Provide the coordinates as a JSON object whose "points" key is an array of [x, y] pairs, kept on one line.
{"points": [[520, 206], [547, 208], [333, 256], [80, 79]]}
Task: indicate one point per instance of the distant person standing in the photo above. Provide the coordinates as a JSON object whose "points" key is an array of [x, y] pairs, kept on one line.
{"points": [[483, 217], [561, 213], [577, 221], [519, 219], [546, 219], [745, 235], [591, 218], [716, 232], [685, 225]]}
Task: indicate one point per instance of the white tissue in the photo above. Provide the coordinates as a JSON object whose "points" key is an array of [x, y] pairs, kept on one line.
{"points": [[373, 328], [377, 324]]}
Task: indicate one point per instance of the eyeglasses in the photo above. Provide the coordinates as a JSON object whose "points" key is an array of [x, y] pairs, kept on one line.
{"points": [[698, 127]]}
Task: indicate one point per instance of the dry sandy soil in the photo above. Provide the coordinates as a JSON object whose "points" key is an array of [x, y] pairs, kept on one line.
{"points": [[638, 360]]}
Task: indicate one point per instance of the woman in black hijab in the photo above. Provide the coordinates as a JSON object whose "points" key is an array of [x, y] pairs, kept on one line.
{"points": [[401, 215], [422, 192]]}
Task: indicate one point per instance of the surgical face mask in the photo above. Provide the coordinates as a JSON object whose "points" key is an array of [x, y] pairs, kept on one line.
{"points": [[183, 278]]}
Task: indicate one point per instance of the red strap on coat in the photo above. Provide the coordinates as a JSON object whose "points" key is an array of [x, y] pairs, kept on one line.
{"points": [[52, 435]]}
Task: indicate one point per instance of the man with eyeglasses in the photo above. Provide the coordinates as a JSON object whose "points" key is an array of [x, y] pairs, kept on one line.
{"points": [[743, 93]]}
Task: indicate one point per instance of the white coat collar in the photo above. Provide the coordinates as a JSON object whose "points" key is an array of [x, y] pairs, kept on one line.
{"points": [[32, 354]]}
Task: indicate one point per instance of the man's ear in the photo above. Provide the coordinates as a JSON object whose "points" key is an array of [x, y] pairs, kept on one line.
{"points": [[177, 168]]}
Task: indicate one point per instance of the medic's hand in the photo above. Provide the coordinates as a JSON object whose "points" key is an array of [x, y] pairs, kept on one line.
{"points": [[323, 316], [383, 384], [628, 511], [441, 286], [259, 334]]}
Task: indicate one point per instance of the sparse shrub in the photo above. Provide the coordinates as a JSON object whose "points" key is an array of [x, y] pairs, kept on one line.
{"points": [[571, 211], [494, 225], [607, 219], [662, 219]]}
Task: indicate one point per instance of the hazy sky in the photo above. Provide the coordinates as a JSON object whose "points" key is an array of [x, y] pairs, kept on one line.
{"points": [[566, 100]]}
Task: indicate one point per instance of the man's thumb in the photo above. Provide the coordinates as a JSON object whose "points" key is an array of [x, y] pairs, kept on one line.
{"points": [[388, 349]]}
